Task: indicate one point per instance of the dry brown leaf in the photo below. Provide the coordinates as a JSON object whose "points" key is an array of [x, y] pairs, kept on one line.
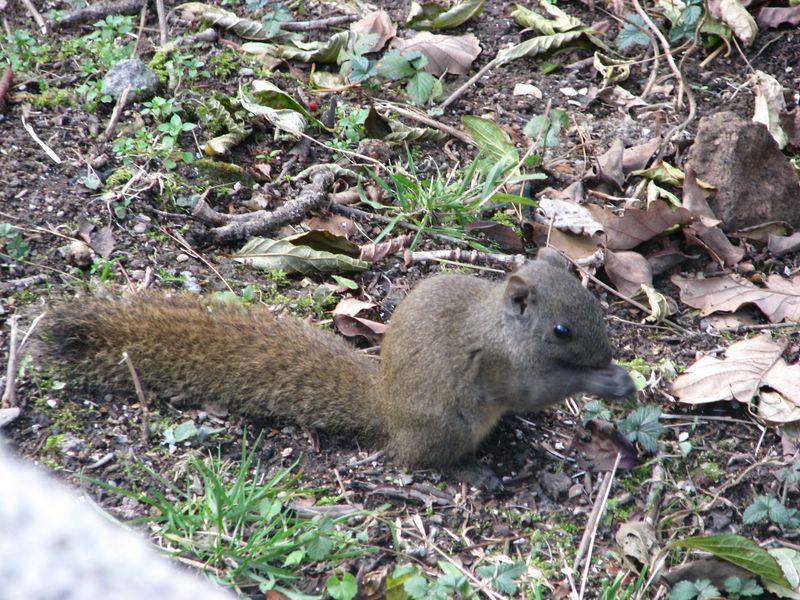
{"points": [[609, 165], [628, 271], [336, 224], [637, 540], [446, 53], [694, 199], [739, 20], [638, 157], [377, 22], [762, 231], [748, 366], [351, 307], [775, 16], [574, 246], [790, 123], [663, 260], [598, 445], [569, 216], [779, 301], [497, 232], [103, 241], [637, 225], [357, 326], [780, 245], [716, 242]]}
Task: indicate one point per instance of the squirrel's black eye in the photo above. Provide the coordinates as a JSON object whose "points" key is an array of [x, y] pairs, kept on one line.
{"points": [[561, 331]]}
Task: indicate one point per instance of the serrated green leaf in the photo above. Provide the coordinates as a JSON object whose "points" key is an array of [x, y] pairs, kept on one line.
{"points": [[395, 66], [421, 87], [185, 431], [739, 551], [319, 547], [491, 139], [278, 255], [630, 35], [416, 586]]}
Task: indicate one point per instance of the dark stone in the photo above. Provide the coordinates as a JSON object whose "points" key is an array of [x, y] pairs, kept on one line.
{"points": [[755, 181]]}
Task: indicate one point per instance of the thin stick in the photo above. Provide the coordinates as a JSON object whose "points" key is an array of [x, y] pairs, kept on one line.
{"points": [[47, 149], [36, 16], [116, 114], [318, 23], [139, 35], [162, 22], [460, 91], [192, 252], [349, 211], [140, 394], [10, 394], [609, 478], [427, 121]]}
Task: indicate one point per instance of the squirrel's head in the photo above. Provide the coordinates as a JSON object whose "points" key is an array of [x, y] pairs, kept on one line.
{"points": [[561, 331]]}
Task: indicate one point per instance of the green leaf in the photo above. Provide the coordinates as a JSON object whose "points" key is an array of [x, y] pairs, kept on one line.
{"points": [[287, 120], [395, 66], [279, 255], [683, 590], [345, 588], [643, 425], [416, 587], [503, 576], [459, 14], [744, 587], [630, 35], [739, 551], [421, 87], [491, 139], [595, 410], [546, 128], [184, 431], [319, 547], [759, 510], [268, 94], [294, 558]]}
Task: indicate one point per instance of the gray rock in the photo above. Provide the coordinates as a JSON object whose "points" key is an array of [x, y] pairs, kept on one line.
{"points": [[135, 73], [54, 546], [755, 180]]}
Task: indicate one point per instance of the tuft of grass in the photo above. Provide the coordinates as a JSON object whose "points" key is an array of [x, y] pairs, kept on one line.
{"points": [[241, 525]]}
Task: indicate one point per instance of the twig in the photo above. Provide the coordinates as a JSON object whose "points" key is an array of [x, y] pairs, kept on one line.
{"points": [[9, 399], [312, 196], [162, 22], [140, 394], [743, 328], [349, 211], [191, 251], [140, 33], [594, 519], [99, 10], [116, 114], [683, 89], [318, 23], [460, 91], [427, 121], [23, 282], [36, 16], [466, 257], [47, 149]]}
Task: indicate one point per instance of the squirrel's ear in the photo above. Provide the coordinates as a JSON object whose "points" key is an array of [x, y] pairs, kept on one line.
{"points": [[552, 257], [519, 293]]}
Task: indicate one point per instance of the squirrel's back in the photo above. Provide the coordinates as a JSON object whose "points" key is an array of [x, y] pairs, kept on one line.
{"points": [[195, 351]]}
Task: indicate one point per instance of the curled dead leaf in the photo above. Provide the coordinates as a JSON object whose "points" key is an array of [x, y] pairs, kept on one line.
{"points": [[446, 53]]}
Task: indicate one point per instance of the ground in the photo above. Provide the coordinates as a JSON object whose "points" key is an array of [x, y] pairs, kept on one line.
{"points": [[708, 466]]}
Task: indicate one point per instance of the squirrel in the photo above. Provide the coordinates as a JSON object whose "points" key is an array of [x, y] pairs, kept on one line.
{"points": [[458, 354]]}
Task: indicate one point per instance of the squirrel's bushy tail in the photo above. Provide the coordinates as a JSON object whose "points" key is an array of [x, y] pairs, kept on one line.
{"points": [[196, 351]]}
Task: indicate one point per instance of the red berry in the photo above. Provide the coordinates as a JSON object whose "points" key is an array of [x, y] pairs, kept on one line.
{"points": [[312, 106]]}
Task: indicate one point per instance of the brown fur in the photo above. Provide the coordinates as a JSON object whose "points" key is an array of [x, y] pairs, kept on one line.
{"points": [[458, 354]]}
